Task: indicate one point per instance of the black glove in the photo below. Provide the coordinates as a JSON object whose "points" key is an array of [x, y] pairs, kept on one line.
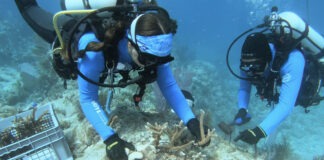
{"points": [[115, 148], [194, 128], [251, 136], [242, 117]]}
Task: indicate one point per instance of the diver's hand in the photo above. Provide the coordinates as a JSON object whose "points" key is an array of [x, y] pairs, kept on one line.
{"points": [[242, 117], [115, 148], [194, 128], [251, 136]]}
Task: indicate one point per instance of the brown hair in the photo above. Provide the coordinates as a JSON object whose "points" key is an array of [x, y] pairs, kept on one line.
{"points": [[110, 44], [111, 37], [155, 24]]}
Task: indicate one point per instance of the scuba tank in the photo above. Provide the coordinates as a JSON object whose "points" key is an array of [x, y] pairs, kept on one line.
{"points": [[86, 4], [291, 24]]}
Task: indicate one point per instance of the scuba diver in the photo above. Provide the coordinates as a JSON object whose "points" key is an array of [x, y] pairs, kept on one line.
{"points": [[286, 53], [256, 61], [115, 36]]}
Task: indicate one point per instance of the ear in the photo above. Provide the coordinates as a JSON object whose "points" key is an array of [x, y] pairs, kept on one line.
{"points": [[129, 44]]}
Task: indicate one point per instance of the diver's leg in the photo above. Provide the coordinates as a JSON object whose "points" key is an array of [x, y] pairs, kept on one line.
{"points": [[37, 18]]}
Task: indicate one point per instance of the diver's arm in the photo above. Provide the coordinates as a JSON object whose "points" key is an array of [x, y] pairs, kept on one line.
{"points": [[244, 93], [292, 74], [38, 19], [91, 65], [173, 94]]}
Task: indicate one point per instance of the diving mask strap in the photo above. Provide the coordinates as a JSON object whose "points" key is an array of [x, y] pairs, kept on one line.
{"points": [[133, 29]]}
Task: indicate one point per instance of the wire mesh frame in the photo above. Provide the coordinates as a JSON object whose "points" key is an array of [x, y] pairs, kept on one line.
{"points": [[35, 143]]}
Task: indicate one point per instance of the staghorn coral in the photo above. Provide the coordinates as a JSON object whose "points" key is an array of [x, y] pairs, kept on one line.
{"points": [[204, 138], [112, 120], [157, 131], [26, 127], [173, 134]]}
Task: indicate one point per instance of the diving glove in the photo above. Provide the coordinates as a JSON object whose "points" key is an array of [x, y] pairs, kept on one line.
{"points": [[115, 148], [251, 136], [194, 128], [242, 117]]}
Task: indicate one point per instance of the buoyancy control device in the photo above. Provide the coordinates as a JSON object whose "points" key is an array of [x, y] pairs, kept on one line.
{"points": [[64, 46]]}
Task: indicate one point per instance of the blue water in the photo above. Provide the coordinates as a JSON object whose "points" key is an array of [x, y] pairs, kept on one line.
{"points": [[210, 26], [207, 27]]}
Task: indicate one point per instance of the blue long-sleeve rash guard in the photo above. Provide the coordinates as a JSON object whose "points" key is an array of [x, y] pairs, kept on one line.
{"points": [[292, 74], [92, 64]]}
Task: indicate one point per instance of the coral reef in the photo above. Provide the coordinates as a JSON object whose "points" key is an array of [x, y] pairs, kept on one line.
{"points": [[175, 142], [279, 151], [204, 138], [174, 135], [11, 84], [318, 157], [166, 138]]}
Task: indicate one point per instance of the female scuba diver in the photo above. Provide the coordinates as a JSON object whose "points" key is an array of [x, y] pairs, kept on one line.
{"points": [[142, 42]]}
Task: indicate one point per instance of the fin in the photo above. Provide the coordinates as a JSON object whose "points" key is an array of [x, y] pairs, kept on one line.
{"points": [[37, 18]]}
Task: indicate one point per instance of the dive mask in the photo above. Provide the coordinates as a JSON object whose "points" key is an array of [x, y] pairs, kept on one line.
{"points": [[153, 49], [254, 68]]}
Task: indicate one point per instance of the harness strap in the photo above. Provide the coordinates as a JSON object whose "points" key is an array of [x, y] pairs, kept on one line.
{"points": [[267, 90], [320, 54], [279, 59], [86, 4]]}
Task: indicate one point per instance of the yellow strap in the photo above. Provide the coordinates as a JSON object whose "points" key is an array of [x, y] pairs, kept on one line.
{"points": [[252, 132], [56, 27], [112, 145], [263, 132]]}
